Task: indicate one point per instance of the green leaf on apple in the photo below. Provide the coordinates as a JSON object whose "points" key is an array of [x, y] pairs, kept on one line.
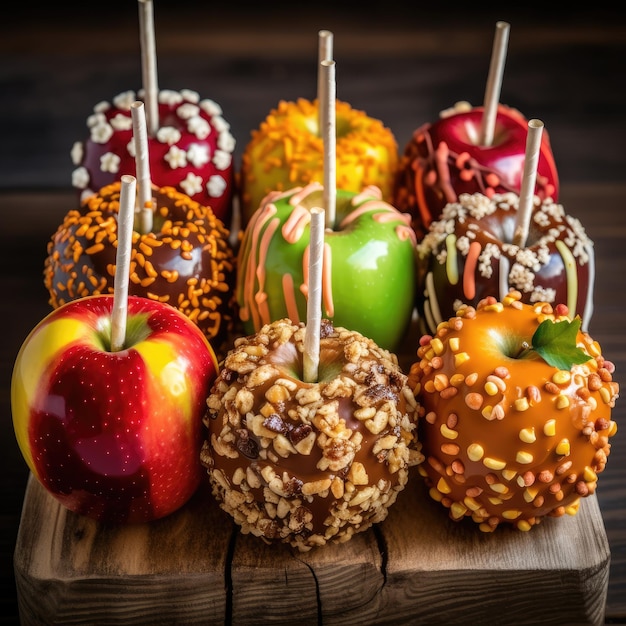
{"points": [[556, 343]]}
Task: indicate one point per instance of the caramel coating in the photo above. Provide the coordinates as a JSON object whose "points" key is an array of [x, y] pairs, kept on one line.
{"points": [[186, 260], [309, 463], [510, 439]]}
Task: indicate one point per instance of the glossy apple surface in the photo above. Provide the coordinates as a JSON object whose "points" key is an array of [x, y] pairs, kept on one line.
{"points": [[445, 159], [115, 436], [191, 151], [369, 264]]}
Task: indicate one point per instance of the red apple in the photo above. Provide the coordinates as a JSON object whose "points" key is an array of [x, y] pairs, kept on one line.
{"points": [[191, 151], [445, 159], [115, 436]]}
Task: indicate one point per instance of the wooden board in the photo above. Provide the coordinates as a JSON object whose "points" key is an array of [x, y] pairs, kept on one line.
{"points": [[417, 567]]}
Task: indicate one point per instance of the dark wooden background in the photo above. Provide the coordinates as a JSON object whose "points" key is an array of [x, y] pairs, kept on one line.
{"points": [[398, 63]]}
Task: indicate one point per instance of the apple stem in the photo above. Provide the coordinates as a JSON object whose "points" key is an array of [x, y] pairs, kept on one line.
{"points": [[327, 104], [529, 177], [494, 84], [146, 202], [148, 64], [122, 262], [314, 297]]}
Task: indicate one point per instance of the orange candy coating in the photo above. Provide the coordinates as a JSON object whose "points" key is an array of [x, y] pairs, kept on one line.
{"points": [[510, 439]]}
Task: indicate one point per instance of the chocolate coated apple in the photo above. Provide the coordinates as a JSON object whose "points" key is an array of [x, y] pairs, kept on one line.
{"points": [[444, 159]]}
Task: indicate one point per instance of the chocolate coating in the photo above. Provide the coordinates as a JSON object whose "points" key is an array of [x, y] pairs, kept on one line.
{"points": [[309, 463], [467, 255], [185, 260]]}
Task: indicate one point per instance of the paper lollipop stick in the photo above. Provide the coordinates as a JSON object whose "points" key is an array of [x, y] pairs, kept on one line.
{"points": [[148, 64], [314, 300], [122, 262], [142, 167], [329, 135], [494, 83], [324, 53], [527, 189]]}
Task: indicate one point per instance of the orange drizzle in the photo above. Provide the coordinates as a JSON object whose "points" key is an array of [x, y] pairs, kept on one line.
{"points": [[469, 284]]}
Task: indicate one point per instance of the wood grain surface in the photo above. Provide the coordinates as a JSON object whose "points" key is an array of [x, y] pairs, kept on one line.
{"points": [[417, 566]]}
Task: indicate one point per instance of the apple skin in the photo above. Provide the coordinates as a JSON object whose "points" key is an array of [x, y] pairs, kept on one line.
{"points": [[192, 150], [114, 436], [370, 258], [444, 159]]}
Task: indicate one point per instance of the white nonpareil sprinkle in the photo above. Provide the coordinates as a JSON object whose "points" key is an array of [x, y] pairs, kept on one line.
{"points": [[199, 127], [192, 184], [191, 95], [123, 100], [121, 122], [222, 159], [198, 155], [110, 162], [211, 107], [176, 157], [216, 186], [80, 178], [168, 135], [101, 133], [226, 142], [187, 110], [77, 152]]}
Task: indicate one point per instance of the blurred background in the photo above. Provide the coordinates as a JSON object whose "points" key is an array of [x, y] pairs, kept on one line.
{"points": [[401, 63]]}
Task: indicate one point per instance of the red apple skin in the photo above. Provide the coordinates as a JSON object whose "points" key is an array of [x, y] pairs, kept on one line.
{"points": [[106, 155], [443, 160], [114, 436]]}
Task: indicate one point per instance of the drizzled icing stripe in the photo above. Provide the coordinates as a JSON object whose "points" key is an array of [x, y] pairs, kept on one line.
{"points": [[327, 291], [260, 297], [290, 298], [420, 198], [469, 282], [294, 225], [591, 272], [569, 263], [432, 299], [503, 276], [452, 269], [258, 220]]}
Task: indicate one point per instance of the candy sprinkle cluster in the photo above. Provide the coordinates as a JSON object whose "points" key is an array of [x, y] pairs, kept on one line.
{"points": [[508, 437]]}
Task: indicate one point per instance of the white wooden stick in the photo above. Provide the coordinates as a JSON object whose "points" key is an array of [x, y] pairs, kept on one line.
{"points": [[330, 141], [527, 189], [324, 53], [149, 64], [122, 261], [494, 83], [314, 299], [142, 167]]}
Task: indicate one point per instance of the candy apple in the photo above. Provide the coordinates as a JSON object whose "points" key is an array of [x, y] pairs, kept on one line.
{"points": [[517, 412], [287, 150], [369, 264], [114, 436], [468, 255], [444, 159], [309, 463], [192, 149], [185, 259]]}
